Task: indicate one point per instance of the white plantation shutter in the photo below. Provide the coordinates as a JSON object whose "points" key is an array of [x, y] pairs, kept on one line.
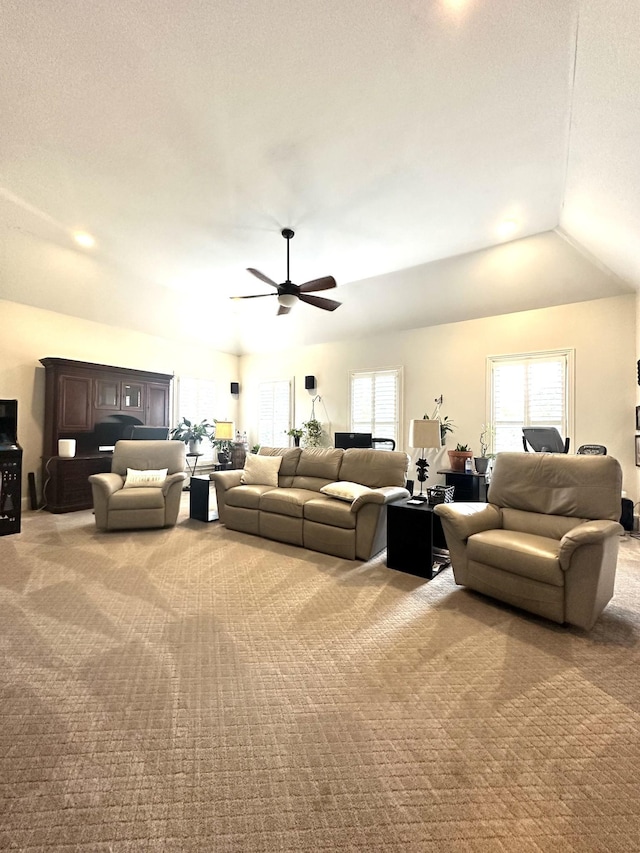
{"points": [[375, 402], [274, 412], [529, 390], [196, 400]]}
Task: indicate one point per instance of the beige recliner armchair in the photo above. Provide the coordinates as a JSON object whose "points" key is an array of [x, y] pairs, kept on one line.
{"points": [[547, 541], [120, 508]]}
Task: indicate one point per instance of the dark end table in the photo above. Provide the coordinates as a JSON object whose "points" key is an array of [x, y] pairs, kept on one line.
{"points": [[415, 540], [200, 508]]}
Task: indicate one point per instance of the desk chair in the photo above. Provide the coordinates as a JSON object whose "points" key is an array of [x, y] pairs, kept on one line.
{"points": [[544, 440]]}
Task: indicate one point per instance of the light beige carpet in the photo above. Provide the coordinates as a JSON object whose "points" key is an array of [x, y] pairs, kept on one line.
{"points": [[197, 689]]}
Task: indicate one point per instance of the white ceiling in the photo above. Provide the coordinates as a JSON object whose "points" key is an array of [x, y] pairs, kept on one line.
{"points": [[388, 133]]}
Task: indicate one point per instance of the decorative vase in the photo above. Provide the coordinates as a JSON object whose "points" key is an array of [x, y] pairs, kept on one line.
{"points": [[194, 445], [296, 441], [457, 458]]}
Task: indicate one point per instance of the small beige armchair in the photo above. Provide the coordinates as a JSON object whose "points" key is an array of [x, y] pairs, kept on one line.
{"points": [[117, 508], [547, 541]]}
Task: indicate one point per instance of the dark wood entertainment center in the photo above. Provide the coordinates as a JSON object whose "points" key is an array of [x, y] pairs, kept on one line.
{"points": [[91, 403]]}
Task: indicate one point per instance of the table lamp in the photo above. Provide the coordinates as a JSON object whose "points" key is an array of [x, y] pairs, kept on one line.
{"points": [[224, 432], [423, 433]]}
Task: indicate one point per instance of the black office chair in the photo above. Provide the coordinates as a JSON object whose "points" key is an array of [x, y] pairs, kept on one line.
{"points": [[592, 450], [544, 440], [376, 441]]}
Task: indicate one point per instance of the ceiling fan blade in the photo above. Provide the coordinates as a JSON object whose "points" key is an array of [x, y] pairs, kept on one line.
{"points": [[253, 296], [320, 302], [325, 283], [261, 276], [283, 310]]}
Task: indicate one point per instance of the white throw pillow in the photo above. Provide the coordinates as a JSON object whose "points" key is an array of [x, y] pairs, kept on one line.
{"points": [[153, 478], [344, 490], [261, 470]]}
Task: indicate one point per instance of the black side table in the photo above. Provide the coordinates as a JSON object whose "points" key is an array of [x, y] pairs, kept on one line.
{"points": [[413, 531], [469, 487], [200, 507]]}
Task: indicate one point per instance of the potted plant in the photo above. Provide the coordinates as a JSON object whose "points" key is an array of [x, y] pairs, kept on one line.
{"points": [[458, 457], [482, 462], [193, 434], [296, 435], [312, 433]]}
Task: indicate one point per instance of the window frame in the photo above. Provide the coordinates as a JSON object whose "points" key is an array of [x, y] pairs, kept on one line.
{"points": [[207, 448], [399, 420], [566, 353], [284, 441]]}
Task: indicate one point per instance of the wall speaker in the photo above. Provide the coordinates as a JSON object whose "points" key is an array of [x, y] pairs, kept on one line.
{"points": [[309, 383], [235, 387]]}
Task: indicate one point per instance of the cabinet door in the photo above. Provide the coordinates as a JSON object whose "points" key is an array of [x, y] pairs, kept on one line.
{"points": [[107, 394], [132, 397], [74, 403], [157, 409]]}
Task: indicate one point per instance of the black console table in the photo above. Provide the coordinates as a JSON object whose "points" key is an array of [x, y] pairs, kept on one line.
{"points": [[413, 532], [468, 487]]}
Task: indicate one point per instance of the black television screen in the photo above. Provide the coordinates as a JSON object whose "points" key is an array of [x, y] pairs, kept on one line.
{"points": [[346, 440]]}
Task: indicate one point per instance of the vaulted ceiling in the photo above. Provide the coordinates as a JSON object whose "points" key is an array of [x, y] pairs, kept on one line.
{"points": [[395, 136]]}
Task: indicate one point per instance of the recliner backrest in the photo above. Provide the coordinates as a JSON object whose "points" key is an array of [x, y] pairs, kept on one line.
{"points": [[557, 484], [148, 455]]}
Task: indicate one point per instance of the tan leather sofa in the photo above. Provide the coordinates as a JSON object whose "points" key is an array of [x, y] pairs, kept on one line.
{"points": [[297, 512], [547, 541], [117, 508]]}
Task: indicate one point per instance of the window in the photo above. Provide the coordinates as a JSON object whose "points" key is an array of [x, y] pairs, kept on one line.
{"points": [[196, 400], [375, 402], [274, 412], [533, 389]]}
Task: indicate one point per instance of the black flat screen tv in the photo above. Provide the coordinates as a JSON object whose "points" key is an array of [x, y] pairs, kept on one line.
{"points": [[345, 440]]}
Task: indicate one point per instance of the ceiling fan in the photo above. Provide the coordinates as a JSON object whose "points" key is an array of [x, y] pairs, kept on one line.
{"points": [[288, 293]]}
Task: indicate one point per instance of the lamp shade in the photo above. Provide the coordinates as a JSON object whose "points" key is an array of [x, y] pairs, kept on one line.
{"points": [[224, 430], [424, 433]]}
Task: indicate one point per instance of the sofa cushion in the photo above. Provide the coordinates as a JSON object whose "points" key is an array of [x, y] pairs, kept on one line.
{"points": [[247, 497], [286, 501], [374, 468], [345, 491], [140, 498], [525, 554], [321, 463], [327, 510], [289, 455], [261, 470]]}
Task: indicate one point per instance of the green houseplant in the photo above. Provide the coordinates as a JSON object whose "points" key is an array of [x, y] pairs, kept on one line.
{"points": [[312, 433], [193, 434], [459, 456], [296, 434]]}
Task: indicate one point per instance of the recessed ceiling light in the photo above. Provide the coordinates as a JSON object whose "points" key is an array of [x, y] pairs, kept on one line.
{"points": [[83, 239]]}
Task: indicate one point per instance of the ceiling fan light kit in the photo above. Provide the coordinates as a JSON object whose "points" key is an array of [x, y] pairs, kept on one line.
{"points": [[289, 293]]}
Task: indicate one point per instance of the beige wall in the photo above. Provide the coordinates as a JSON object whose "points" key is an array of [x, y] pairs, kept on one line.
{"points": [[448, 359], [28, 334], [451, 360]]}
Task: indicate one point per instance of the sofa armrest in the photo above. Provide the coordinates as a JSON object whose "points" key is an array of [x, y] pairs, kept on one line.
{"points": [[587, 533], [384, 495], [465, 519], [226, 479], [107, 483], [178, 477]]}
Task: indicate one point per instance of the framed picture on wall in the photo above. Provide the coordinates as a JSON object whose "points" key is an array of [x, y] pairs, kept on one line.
{"points": [[638, 451], [638, 417]]}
